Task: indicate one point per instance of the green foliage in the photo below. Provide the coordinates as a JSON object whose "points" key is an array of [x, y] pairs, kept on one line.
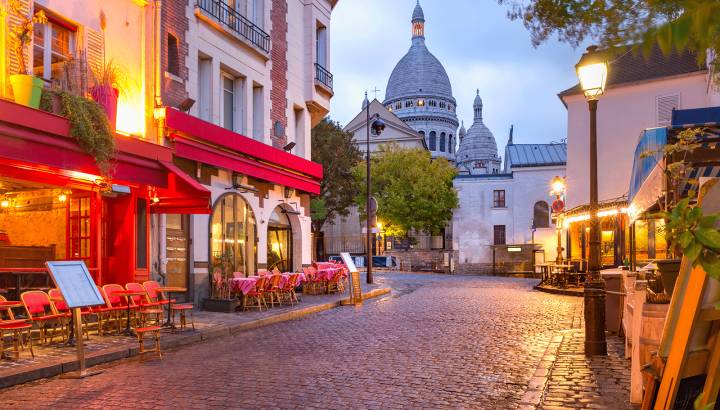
{"points": [[338, 154], [88, 125], [670, 24], [688, 230], [413, 191]]}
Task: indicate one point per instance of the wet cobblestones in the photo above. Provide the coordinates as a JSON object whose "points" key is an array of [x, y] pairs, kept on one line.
{"points": [[437, 342]]}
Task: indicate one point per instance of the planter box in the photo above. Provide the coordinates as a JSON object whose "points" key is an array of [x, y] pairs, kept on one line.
{"points": [[221, 305]]}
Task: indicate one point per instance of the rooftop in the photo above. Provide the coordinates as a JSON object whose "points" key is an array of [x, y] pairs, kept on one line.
{"points": [[535, 155], [633, 65]]}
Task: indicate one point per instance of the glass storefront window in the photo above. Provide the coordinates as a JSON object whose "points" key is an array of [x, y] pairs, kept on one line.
{"points": [[233, 236], [279, 241]]}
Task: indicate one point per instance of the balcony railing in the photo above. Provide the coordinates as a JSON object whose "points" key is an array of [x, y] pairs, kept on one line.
{"points": [[324, 76], [235, 21]]}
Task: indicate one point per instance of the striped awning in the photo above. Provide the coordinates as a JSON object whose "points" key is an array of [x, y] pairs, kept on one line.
{"points": [[692, 182]]}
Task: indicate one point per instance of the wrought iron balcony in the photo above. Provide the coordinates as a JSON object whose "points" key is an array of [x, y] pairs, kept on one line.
{"points": [[323, 76], [235, 22]]}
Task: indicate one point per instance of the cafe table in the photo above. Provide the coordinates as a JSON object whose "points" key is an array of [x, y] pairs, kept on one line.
{"points": [[128, 294], [170, 322]]}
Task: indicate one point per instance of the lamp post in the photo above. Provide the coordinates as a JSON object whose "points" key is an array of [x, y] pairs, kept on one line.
{"points": [[377, 126], [558, 189], [592, 71]]}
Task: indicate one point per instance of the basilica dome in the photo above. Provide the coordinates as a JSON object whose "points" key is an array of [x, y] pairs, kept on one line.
{"points": [[419, 93], [478, 152]]}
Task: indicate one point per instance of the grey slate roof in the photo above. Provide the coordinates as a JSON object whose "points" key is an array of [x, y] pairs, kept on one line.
{"points": [[535, 155], [418, 13], [631, 66]]}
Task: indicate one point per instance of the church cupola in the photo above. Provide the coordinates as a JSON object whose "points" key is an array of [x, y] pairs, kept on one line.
{"points": [[418, 22], [462, 131], [478, 106]]}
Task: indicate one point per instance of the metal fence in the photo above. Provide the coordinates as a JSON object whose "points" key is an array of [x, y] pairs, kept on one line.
{"points": [[235, 21]]}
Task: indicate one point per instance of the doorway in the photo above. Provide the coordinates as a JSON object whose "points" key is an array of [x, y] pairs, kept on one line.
{"points": [[177, 235], [279, 241]]}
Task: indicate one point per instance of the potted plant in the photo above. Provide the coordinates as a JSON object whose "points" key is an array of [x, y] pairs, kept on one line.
{"points": [[107, 82], [220, 299], [27, 88]]}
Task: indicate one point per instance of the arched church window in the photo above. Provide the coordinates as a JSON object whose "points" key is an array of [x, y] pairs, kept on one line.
{"points": [[398, 105], [432, 144], [451, 144], [422, 134], [442, 142], [442, 104], [541, 214], [409, 103], [451, 107]]}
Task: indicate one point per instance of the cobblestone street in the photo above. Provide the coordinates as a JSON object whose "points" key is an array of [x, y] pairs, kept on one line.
{"points": [[436, 342]]}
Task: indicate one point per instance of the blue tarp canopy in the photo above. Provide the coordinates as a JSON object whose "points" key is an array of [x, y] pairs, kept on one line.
{"points": [[696, 117], [648, 154]]}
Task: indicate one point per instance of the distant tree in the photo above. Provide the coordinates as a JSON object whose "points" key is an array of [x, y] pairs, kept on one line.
{"points": [[338, 154], [692, 25], [413, 191]]}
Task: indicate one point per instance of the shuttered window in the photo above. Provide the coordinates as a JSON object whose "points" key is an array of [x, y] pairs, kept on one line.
{"points": [[665, 106]]}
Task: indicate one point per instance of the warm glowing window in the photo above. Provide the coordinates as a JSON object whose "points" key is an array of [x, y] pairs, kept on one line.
{"points": [[233, 236], [53, 45]]}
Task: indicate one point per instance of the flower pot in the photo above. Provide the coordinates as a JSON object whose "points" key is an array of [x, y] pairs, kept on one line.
{"points": [[107, 97], [27, 89], [669, 270]]}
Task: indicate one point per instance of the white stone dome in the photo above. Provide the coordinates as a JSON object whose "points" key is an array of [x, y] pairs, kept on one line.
{"points": [[478, 152]]}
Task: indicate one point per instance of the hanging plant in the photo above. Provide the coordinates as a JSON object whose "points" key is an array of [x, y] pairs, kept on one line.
{"points": [[88, 125]]}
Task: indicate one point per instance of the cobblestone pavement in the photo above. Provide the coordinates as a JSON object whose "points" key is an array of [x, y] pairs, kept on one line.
{"points": [[436, 342]]}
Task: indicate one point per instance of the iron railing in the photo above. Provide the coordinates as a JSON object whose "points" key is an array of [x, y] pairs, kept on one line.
{"points": [[324, 76], [235, 21]]}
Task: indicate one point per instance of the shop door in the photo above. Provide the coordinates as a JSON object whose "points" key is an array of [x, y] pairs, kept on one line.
{"points": [[176, 249], [81, 229]]}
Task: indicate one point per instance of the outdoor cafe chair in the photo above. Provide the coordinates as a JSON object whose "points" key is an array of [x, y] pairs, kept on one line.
{"points": [[60, 307], [103, 313], [182, 309], [117, 304], [143, 306], [288, 291], [39, 310], [256, 295], [273, 288], [18, 329], [155, 331], [336, 284], [154, 295]]}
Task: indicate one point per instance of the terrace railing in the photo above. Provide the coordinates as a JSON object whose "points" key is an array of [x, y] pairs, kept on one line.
{"points": [[323, 76], [235, 22]]}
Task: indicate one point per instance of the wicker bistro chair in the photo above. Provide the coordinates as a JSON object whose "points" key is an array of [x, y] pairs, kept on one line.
{"points": [[61, 307], [336, 283], [144, 308], [104, 314], [256, 295], [40, 311], [154, 295], [18, 330], [288, 291], [155, 332], [182, 309], [273, 289], [314, 285]]}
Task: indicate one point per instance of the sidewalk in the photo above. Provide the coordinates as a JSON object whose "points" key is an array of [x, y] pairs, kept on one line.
{"points": [[54, 360], [566, 378]]}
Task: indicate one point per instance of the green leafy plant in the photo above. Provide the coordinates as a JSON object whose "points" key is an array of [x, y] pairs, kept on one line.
{"points": [[110, 74], [689, 230], [22, 33], [88, 125]]}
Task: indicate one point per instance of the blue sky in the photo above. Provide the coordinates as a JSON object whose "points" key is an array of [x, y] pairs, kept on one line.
{"points": [[480, 49]]}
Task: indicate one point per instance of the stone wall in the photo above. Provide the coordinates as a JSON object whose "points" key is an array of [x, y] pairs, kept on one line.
{"points": [[425, 260], [38, 220]]}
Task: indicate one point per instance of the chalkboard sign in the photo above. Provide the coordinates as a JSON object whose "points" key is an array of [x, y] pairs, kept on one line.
{"points": [[75, 283]]}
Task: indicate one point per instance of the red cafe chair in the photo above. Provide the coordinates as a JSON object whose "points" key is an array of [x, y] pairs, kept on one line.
{"points": [[257, 294], [60, 307], [18, 329], [40, 311], [116, 303], [144, 307]]}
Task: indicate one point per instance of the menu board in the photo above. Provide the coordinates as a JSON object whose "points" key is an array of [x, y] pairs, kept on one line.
{"points": [[348, 261], [75, 283], [355, 287]]}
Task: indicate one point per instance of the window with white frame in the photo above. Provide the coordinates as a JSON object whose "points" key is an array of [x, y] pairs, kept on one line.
{"points": [[321, 45], [53, 45], [257, 13], [229, 101]]}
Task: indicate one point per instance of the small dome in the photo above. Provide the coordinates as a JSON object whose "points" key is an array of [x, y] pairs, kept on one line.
{"points": [[418, 14], [418, 73], [478, 144]]}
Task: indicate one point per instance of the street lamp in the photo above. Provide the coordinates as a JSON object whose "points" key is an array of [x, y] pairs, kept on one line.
{"points": [[592, 70], [558, 189], [377, 126]]}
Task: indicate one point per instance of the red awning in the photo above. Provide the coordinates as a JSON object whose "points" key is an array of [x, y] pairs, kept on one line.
{"points": [[183, 195], [202, 141]]}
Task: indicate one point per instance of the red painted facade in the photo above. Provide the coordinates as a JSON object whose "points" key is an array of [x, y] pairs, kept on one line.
{"points": [[35, 146]]}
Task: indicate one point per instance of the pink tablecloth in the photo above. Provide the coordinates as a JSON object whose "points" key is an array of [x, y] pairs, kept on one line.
{"points": [[245, 285]]}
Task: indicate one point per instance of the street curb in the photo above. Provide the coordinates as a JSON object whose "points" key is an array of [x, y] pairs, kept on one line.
{"points": [[30, 373], [564, 292]]}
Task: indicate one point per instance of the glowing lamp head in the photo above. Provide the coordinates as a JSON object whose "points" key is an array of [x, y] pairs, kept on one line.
{"points": [[558, 185], [156, 200], [379, 225], [4, 203], [592, 70], [62, 197]]}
